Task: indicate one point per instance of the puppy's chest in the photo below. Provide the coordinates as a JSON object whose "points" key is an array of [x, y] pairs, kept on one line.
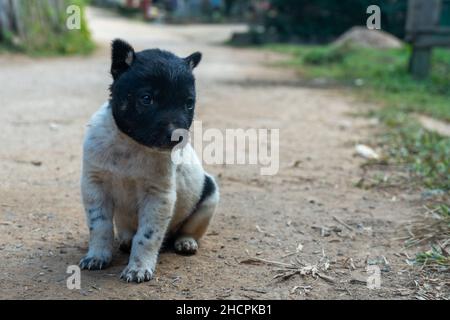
{"points": [[133, 175], [131, 163], [124, 163], [127, 161]]}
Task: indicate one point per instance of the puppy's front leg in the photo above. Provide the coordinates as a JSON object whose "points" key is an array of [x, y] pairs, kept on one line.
{"points": [[155, 213], [99, 213]]}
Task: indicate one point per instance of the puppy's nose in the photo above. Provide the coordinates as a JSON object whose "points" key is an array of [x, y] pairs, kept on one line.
{"points": [[170, 133], [170, 129]]}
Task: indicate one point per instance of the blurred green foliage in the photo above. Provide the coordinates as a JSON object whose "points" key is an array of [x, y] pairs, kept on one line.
{"points": [[434, 256], [320, 21], [325, 55], [44, 31]]}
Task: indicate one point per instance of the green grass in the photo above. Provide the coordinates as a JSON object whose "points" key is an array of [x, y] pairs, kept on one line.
{"points": [[46, 39], [383, 71], [381, 76], [437, 255], [440, 229], [432, 257], [426, 153]]}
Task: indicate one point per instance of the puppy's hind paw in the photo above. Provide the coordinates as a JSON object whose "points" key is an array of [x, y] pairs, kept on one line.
{"points": [[186, 245]]}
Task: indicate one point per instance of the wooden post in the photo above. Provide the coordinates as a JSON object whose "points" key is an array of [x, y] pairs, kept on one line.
{"points": [[420, 62], [423, 15]]}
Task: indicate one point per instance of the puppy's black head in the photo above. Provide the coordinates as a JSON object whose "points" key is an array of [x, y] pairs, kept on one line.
{"points": [[153, 93]]}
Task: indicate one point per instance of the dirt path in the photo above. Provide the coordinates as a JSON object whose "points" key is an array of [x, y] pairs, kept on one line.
{"points": [[45, 105]]}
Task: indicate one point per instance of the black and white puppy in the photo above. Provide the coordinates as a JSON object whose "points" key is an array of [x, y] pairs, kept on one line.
{"points": [[128, 176]]}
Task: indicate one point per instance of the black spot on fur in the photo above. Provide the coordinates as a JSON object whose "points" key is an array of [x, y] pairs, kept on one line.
{"points": [[138, 262], [208, 188], [125, 247], [148, 234], [100, 217], [140, 243]]}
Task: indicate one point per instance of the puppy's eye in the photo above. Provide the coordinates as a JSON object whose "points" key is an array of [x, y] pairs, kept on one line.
{"points": [[146, 99], [190, 103]]}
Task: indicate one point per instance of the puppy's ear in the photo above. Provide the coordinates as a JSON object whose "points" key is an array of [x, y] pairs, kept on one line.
{"points": [[123, 56], [194, 59]]}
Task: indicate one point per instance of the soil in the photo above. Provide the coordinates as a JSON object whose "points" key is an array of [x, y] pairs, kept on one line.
{"points": [[310, 211]]}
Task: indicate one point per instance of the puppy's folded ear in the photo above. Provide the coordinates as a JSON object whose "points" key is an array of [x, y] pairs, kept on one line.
{"points": [[123, 56], [194, 59]]}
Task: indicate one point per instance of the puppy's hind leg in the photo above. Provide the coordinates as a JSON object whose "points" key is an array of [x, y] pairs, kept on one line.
{"points": [[195, 226]]}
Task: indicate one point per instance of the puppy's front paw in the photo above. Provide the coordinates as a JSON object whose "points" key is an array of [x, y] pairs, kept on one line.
{"points": [[186, 245], [136, 274], [92, 262]]}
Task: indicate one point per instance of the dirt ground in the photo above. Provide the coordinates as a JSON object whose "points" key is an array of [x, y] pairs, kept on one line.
{"points": [[310, 211]]}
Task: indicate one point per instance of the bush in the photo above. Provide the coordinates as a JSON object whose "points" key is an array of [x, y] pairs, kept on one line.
{"points": [[320, 21], [39, 27], [326, 55]]}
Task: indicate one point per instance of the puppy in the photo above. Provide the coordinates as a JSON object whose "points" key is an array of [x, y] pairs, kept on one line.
{"points": [[128, 177]]}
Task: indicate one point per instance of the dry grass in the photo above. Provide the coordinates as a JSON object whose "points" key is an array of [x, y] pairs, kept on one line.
{"points": [[434, 229]]}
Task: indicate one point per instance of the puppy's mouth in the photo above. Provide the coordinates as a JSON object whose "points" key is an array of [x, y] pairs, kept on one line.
{"points": [[174, 142], [166, 144], [169, 145]]}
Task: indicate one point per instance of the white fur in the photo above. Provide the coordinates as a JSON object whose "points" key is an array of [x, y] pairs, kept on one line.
{"points": [[144, 192]]}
